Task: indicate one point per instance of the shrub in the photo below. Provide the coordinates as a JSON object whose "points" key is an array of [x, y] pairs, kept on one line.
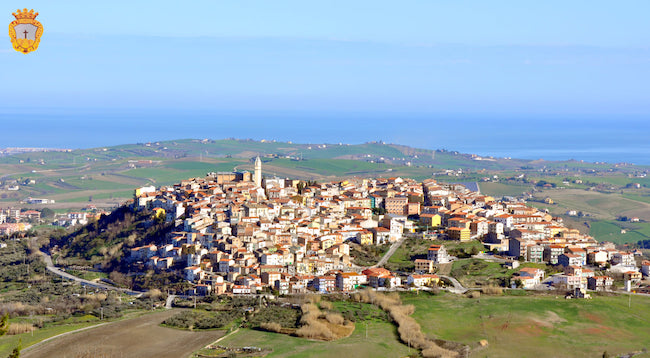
{"points": [[284, 316], [334, 318], [19, 328], [474, 294], [492, 290], [271, 327]]}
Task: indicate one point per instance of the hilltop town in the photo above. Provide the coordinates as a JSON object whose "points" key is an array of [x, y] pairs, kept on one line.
{"points": [[240, 233]]}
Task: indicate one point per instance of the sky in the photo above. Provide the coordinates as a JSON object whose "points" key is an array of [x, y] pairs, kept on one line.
{"points": [[516, 59]]}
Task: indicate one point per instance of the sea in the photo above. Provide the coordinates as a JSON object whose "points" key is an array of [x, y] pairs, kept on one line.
{"points": [[594, 138]]}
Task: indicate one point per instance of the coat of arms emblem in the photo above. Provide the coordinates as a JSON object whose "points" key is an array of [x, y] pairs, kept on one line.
{"points": [[25, 32]]}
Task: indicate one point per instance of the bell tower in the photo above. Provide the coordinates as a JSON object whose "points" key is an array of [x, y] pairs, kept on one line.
{"points": [[258, 171]]}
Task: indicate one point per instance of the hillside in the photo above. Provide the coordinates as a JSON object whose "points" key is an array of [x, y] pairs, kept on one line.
{"points": [[105, 176]]}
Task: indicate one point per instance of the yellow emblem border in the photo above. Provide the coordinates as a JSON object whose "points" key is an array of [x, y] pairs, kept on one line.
{"points": [[33, 44]]}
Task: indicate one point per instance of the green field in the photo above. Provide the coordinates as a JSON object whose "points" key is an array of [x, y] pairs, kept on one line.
{"points": [[475, 272], [8, 343], [601, 206], [537, 326], [611, 231], [381, 341], [525, 325], [500, 189]]}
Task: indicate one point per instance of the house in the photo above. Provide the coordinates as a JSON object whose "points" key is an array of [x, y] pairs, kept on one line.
{"points": [[517, 247], [530, 277], [574, 250], [552, 252], [535, 253], [460, 234], [324, 284], [597, 257], [424, 266], [569, 282], [270, 277], [645, 268], [569, 260], [365, 237], [380, 277], [381, 235], [535, 273], [418, 280], [193, 273], [438, 254], [241, 290], [600, 283], [397, 205], [349, 281], [430, 220], [634, 276], [623, 258]]}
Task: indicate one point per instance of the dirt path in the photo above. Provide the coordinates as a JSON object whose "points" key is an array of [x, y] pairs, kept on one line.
{"points": [[134, 338]]}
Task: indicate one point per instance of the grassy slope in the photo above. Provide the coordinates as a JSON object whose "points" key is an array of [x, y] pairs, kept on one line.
{"points": [[381, 342], [537, 326], [501, 189], [8, 343], [611, 231]]}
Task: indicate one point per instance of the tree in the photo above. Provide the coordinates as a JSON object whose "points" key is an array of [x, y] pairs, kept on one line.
{"points": [[16, 352], [4, 324], [47, 213]]}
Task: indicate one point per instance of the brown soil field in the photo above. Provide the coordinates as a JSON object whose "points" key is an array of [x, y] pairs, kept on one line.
{"points": [[134, 338]]}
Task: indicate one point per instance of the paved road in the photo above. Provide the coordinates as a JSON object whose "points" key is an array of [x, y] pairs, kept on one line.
{"points": [[53, 269], [489, 257], [458, 288], [390, 252]]}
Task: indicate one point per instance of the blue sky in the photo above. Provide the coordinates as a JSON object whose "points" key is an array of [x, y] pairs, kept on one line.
{"points": [[518, 58]]}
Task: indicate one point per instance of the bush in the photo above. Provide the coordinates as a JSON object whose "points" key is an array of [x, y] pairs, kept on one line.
{"points": [[271, 327], [474, 294], [492, 290], [284, 316], [334, 318], [19, 328], [199, 320]]}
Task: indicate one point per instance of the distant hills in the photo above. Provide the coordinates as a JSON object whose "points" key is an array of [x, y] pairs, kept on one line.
{"points": [[107, 175]]}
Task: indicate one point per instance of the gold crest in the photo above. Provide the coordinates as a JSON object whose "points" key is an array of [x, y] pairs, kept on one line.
{"points": [[25, 32]]}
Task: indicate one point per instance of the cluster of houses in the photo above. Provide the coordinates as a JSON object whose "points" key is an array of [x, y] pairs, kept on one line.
{"points": [[236, 232], [17, 220]]}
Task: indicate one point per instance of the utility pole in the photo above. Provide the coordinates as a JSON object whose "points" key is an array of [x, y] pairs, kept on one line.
{"points": [[629, 300], [366, 330]]}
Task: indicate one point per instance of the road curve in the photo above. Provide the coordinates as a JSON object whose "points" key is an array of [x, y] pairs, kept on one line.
{"points": [[458, 288], [53, 269], [390, 252]]}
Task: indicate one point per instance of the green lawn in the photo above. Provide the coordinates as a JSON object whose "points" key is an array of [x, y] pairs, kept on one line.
{"points": [[537, 326]]}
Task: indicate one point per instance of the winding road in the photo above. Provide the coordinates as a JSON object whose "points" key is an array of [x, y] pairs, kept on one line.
{"points": [[390, 252], [458, 288], [53, 269]]}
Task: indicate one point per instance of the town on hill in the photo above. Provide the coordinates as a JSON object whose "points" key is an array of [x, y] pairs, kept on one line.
{"points": [[242, 233]]}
